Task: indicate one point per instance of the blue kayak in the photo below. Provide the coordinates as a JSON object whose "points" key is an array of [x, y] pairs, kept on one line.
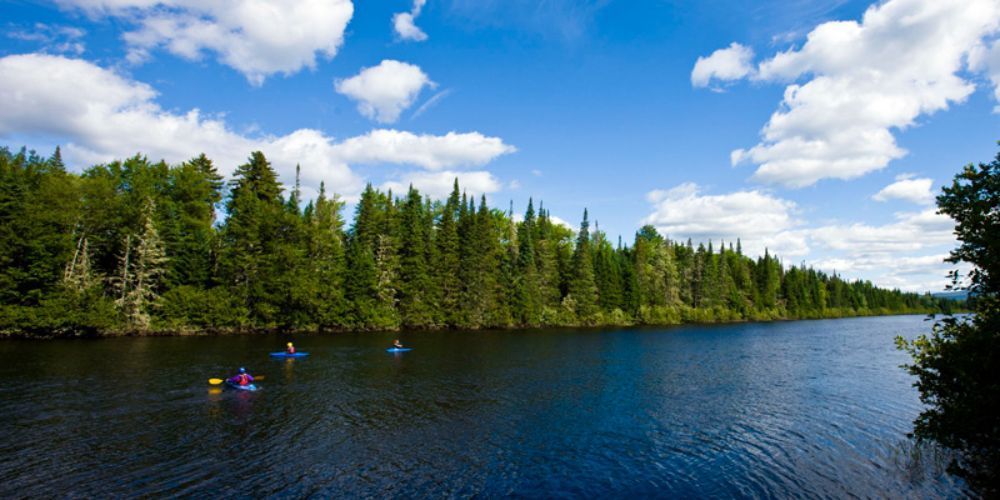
{"points": [[238, 387], [398, 349], [284, 354]]}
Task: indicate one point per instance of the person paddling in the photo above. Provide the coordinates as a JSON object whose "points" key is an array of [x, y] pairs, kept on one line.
{"points": [[290, 349], [397, 345], [242, 378]]}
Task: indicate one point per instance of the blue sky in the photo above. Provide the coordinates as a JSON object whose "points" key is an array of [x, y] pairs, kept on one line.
{"points": [[849, 114]]}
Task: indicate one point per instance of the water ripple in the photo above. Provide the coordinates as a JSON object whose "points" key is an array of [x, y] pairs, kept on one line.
{"points": [[811, 409]]}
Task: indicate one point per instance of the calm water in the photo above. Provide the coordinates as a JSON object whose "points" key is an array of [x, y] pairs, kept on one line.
{"points": [[817, 408]]}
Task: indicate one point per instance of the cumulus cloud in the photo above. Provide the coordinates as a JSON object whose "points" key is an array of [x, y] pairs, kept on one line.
{"points": [[105, 115], [731, 63], [865, 80], [986, 58], [907, 188], [438, 185], [257, 38], [759, 219], [433, 152], [403, 23], [911, 231], [383, 92], [906, 253]]}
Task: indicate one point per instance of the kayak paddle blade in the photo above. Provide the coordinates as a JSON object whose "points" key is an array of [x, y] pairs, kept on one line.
{"points": [[215, 381]]}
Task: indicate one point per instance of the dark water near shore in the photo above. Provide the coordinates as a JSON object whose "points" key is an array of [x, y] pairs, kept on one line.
{"points": [[812, 408]]}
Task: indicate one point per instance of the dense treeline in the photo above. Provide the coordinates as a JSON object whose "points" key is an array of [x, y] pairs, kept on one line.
{"points": [[136, 246]]}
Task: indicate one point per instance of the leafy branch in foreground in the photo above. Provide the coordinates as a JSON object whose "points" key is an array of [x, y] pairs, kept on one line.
{"points": [[957, 364]]}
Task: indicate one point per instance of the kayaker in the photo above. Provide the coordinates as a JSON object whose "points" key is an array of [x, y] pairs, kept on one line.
{"points": [[396, 344], [290, 349], [241, 378]]}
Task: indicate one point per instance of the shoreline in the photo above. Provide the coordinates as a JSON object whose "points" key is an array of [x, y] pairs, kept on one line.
{"points": [[248, 330]]}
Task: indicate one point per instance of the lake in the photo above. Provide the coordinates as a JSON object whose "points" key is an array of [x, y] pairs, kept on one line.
{"points": [[808, 408]]}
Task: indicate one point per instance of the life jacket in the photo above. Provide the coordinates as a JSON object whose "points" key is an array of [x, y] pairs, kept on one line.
{"points": [[291, 350], [244, 379]]}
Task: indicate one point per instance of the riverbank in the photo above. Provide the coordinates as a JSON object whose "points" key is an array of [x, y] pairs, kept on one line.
{"points": [[647, 318]]}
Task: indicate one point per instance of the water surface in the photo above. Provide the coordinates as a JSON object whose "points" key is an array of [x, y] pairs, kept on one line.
{"points": [[811, 408]]}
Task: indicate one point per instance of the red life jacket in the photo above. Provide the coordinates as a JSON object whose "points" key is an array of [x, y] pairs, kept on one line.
{"points": [[291, 350], [244, 379]]}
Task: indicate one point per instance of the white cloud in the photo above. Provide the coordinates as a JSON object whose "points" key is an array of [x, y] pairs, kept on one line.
{"points": [[906, 253], [438, 185], [383, 92], [866, 80], [987, 59], [518, 217], [731, 63], [430, 103], [257, 38], [105, 116], [403, 23], [53, 38], [561, 222], [433, 152], [760, 220], [911, 231], [907, 188]]}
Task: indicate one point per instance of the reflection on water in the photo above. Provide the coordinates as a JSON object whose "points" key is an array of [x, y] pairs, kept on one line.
{"points": [[784, 409]]}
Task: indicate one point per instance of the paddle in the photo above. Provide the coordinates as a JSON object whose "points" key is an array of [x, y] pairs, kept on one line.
{"points": [[217, 381]]}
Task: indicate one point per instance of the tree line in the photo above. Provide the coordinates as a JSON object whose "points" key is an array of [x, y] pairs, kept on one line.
{"points": [[137, 246]]}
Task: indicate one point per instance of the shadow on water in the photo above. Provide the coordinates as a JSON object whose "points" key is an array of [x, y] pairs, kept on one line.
{"points": [[816, 408]]}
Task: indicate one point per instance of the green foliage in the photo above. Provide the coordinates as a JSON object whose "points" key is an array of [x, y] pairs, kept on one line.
{"points": [[133, 246], [957, 365], [582, 286]]}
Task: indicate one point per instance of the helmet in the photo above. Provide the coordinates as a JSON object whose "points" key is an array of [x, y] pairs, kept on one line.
{"points": [[243, 370], [289, 344]]}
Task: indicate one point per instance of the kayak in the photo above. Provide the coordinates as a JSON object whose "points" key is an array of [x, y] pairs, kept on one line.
{"points": [[238, 387], [398, 349], [284, 354]]}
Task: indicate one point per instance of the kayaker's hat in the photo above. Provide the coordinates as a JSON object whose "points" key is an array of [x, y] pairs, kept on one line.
{"points": [[289, 344], [243, 370]]}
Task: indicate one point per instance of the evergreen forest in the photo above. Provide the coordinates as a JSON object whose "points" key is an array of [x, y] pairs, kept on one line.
{"points": [[134, 247]]}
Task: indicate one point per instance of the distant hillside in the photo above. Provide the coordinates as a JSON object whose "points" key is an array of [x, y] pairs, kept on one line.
{"points": [[953, 295]]}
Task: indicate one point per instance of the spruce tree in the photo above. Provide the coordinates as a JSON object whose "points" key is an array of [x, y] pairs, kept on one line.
{"points": [[582, 288], [254, 238], [416, 306], [327, 260], [528, 294], [448, 261]]}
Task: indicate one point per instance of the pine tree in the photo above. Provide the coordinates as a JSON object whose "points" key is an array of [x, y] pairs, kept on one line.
{"points": [[528, 293], [255, 241], [448, 259], [416, 305], [582, 287], [607, 274], [547, 257], [141, 273], [327, 259]]}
